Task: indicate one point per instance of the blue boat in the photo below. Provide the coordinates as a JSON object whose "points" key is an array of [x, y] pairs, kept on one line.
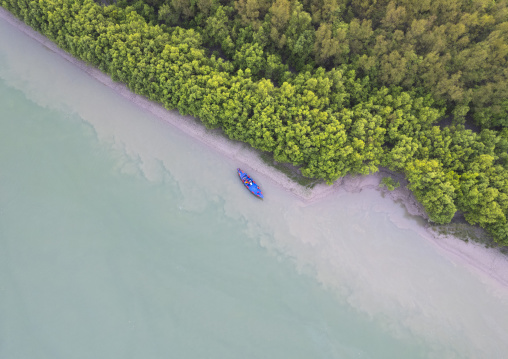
{"points": [[250, 184]]}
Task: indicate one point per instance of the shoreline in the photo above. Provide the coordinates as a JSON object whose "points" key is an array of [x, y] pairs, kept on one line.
{"points": [[488, 261]]}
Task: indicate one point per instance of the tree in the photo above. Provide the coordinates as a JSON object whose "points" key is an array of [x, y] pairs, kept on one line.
{"points": [[279, 16], [251, 11], [250, 57], [330, 44], [429, 185]]}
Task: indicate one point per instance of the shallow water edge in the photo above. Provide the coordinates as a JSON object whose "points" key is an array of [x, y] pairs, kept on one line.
{"points": [[487, 262]]}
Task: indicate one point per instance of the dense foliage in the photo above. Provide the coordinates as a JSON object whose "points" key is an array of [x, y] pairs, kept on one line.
{"points": [[457, 50], [328, 122]]}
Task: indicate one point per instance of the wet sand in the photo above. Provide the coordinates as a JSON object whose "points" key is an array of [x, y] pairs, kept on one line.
{"points": [[488, 262]]}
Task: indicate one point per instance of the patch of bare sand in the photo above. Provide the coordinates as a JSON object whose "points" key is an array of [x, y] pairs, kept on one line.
{"points": [[480, 259]]}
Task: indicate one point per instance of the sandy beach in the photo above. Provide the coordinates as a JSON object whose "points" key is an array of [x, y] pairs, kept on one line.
{"points": [[489, 264]]}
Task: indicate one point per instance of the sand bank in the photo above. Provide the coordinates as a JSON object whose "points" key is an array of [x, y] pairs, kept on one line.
{"points": [[478, 258]]}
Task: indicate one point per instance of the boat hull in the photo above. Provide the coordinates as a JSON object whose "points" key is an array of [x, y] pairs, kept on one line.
{"points": [[250, 184]]}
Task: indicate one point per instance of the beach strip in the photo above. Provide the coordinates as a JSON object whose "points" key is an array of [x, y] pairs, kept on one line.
{"points": [[489, 262]]}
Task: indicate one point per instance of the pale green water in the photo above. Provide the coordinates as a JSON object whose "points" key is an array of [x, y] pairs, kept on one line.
{"points": [[112, 247]]}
